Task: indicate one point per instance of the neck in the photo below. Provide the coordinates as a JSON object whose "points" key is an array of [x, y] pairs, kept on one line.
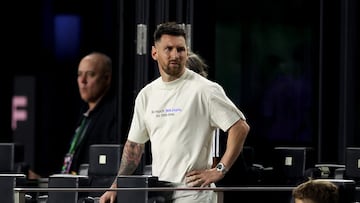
{"points": [[92, 105]]}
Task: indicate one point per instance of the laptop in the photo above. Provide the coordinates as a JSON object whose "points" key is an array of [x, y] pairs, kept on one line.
{"points": [[352, 163], [104, 159], [292, 162], [10, 155]]}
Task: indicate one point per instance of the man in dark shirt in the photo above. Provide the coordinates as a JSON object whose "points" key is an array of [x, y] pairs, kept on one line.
{"points": [[98, 117], [98, 114]]}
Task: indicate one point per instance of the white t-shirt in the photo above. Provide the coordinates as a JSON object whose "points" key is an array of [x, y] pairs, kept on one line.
{"points": [[179, 118]]}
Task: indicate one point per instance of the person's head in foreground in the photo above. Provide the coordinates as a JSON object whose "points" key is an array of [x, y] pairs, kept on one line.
{"points": [[316, 191]]}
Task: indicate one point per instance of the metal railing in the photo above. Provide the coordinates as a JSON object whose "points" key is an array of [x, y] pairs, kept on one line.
{"points": [[20, 193]]}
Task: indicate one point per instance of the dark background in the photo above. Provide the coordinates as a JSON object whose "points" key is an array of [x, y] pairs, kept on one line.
{"points": [[247, 44]]}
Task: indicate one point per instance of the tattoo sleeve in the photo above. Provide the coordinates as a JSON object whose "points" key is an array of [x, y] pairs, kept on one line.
{"points": [[131, 157]]}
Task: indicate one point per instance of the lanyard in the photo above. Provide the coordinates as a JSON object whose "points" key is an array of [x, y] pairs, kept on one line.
{"points": [[78, 136]]}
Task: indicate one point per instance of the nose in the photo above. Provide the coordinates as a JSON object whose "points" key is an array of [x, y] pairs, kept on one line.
{"points": [[82, 78], [174, 54]]}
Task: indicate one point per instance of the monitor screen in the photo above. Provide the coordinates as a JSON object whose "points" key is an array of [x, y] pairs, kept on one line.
{"points": [[352, 163], [292, 162], [104, 159]]}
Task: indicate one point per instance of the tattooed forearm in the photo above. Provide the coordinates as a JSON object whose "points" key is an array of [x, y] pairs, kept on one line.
{"points": [[131, 157]]}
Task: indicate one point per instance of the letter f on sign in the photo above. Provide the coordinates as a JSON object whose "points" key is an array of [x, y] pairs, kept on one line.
{"points": [[18, 114]]}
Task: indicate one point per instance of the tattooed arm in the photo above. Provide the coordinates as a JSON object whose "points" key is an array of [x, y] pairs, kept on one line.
{"points": [[129, 161], [130, 158]]}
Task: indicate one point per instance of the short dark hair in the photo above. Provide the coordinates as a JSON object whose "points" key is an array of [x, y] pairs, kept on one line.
{"points": [[169, 28], [318, 191]]}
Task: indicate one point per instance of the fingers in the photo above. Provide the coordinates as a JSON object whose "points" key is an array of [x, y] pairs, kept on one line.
{"points": [[191, 179], [200, 178], [200, 182], [191, 173], [108, 197], [194, 181]]}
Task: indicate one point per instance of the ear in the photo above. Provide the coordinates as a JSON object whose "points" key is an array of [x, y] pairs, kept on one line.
{"points": [[154, 53], [107, 77]]}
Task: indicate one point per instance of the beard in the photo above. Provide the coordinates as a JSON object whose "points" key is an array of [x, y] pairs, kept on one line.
{"points": [[173, 69]]}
